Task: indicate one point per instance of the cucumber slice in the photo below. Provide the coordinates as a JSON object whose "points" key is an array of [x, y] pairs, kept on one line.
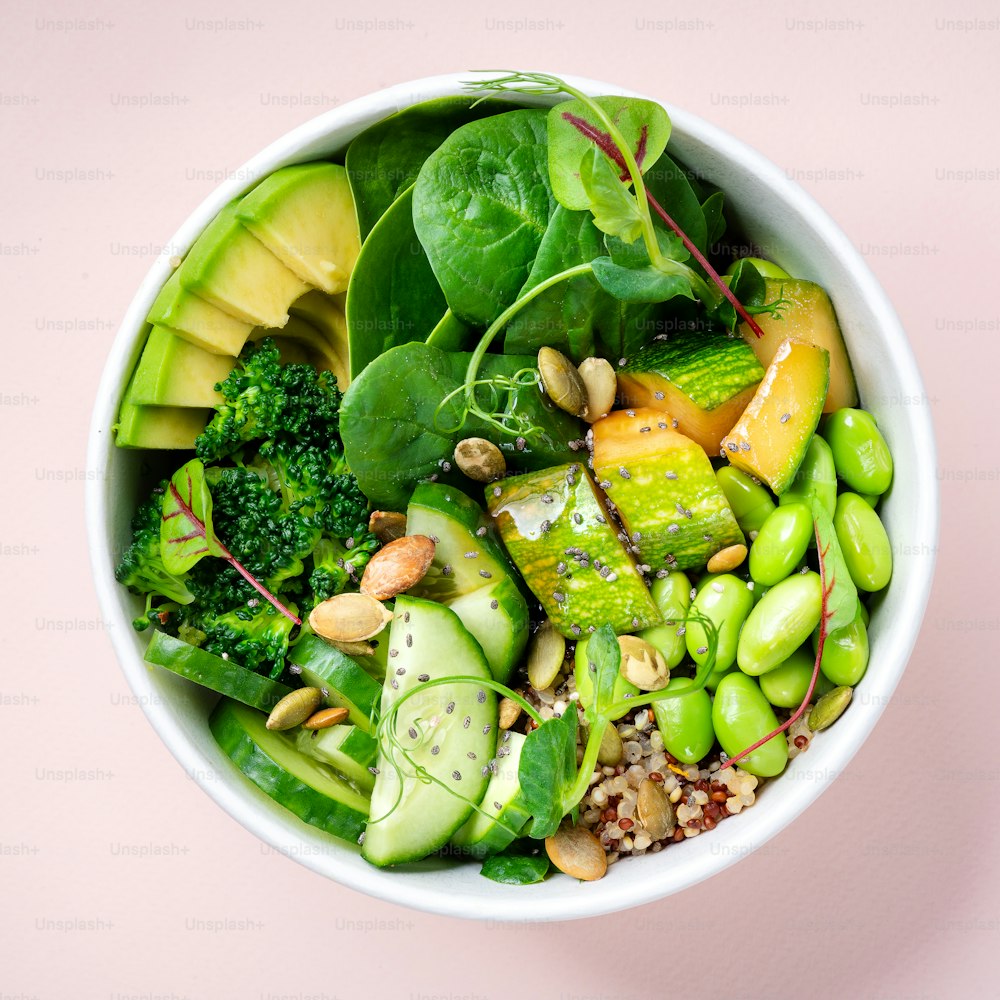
{"points": [[215, 673], [349, 749], [305, 787], [450, 731], [343, 683], [483, 835], [470, 573]]}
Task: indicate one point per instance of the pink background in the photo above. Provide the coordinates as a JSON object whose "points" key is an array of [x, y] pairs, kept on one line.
{"points": [[120, 878]]}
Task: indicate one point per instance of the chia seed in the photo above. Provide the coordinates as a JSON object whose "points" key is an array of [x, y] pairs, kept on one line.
{"points": [[485, 574], [457, 775], [423, 677], [494, 604]]}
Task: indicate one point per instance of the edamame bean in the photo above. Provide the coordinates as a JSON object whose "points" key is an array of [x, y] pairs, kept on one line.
{"points": [[780, 622], [863, 541], [726, 602], [751, 502], [781, 543], [871, 499], [585, 681], [686, 722], [672, 595], [845, 653], [741, 715], [860, 454], [817, 475], [787, 684]]}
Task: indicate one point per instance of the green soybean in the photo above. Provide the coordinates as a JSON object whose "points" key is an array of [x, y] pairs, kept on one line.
{"points": [[863, 541], [787, 684], [845, 653], [741, 715], [751, 502], [672, 595], [816, 475], [685, 723], [585, 683], [780, 622], [871, 499], [781, 543], [860, 454], [726, 601]]}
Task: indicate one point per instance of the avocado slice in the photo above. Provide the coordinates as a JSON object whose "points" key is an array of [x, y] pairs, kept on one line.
{"points": [[806, 315], [664, 488], [770, 439], [326, 314], [315, 348], [232, 269], [173, 372], [701, 379], [160, 427], [558, 531], [196, 320], [304, 214]]}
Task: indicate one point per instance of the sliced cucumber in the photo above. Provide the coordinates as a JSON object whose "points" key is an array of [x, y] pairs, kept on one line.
{"points": [[349, 749], [448, 731], [215, 673], [343, 683], [503, 815], [470, 573], [305, 787]]}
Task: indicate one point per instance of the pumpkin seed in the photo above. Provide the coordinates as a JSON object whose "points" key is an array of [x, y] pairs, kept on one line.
{"points": [[655, 811], [510, 712], [642, 664], [349, 618], [546, 656], [294, 708], [325, 718], [829, 708], [602, 386], [562, 382], [397, 567], [387, 525], [727, 559], [577, 852], [354, 648], [612, 750], [480, 459]]}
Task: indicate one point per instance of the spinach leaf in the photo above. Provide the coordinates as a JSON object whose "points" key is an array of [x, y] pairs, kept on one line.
{"points": [[393, 297], [396, 432], [640, 284], [547, 772], [385, 159], [450, 334], [669, 184], [715, 220], [481, 204], [643, 125], [519, 864]]}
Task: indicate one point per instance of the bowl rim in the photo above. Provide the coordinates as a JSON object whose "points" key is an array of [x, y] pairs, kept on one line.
{"points": [[529, 904]]}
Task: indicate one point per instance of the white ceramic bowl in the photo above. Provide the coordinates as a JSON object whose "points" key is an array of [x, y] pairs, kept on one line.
{"points": [[796, 233]]}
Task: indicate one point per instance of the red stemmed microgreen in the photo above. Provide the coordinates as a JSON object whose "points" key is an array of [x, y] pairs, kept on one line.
{"points": [[187, 535]]}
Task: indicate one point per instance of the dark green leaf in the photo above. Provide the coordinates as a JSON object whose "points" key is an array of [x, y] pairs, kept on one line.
{"points": [[385, 159], [186, 533], [547, 771], [450, 334], [715, 220], [635, 254], [393, 435], [393, 297], [517, 866], [747, 284], [481, 205], [669, 184], [644, 126], [640, 284]]}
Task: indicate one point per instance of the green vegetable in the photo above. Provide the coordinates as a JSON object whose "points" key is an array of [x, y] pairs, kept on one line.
{"points": [[845, 653], [779, 623], [672, 595], [816, 475], [685, 723], [781, 543], [726, 601], [787, 684], [860, 453], [751, 502], [519, 864], [741, 716], [393, 297], [401, 420], [863, 541], [623, 689]]}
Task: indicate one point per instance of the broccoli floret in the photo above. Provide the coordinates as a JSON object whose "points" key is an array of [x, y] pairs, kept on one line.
{"points": [[265, 399], [335, 565], [141, 568], [255, 636]]}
